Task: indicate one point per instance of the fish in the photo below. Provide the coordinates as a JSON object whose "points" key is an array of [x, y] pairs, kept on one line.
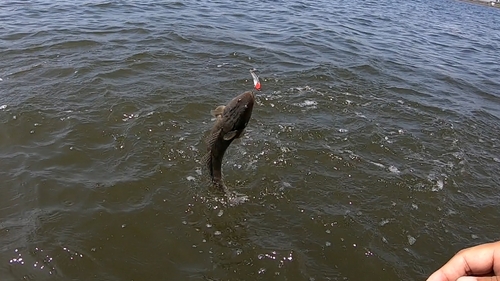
{"points": [[230, 124], [231, 121]]}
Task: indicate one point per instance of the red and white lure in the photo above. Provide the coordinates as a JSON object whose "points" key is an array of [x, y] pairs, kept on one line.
{"points": [[256, 82]]}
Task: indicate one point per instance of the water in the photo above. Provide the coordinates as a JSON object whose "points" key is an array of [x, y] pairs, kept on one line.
{"points": [[372, 152]]}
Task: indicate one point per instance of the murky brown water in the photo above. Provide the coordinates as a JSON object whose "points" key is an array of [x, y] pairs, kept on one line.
{"points": [[372, 152]]}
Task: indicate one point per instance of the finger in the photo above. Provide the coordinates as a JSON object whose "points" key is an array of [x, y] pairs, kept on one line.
{"points": [[478, 260], [472, 278], [438, 275]]}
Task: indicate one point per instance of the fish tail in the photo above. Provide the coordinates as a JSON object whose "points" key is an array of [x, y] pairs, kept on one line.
{"points": [[221, 186]]}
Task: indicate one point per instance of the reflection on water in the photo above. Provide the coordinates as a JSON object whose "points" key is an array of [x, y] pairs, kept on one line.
{"points": [[373, 143]]}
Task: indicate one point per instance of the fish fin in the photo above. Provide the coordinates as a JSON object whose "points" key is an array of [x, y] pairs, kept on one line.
{"points": [[230, 135], [218, 111], [205, 159], [206, 163], [212, 136], [241, 134]]}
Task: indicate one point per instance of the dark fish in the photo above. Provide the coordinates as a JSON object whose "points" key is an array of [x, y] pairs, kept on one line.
{"points": [[230, 124]]}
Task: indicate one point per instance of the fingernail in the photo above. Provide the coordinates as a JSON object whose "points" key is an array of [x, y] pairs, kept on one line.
{"points": [[467, 278]]}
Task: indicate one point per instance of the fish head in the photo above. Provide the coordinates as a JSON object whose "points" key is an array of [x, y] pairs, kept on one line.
{"points": [[237, 112]]}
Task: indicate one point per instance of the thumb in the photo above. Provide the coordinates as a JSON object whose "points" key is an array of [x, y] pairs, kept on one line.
{"points": [[472, 278]]}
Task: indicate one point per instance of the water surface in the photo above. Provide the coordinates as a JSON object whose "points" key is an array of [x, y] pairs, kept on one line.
{"points": [[372, 152]]}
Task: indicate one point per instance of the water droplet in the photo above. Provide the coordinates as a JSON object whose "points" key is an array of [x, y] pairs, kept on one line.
{"points": [[394, 170], [384, 222], [411, 240]]}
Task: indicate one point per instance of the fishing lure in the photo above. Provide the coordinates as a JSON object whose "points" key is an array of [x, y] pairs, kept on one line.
{"points": [[256, 81]]}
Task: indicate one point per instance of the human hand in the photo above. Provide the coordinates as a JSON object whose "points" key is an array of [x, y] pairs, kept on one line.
{"points": [[478, 263]]}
